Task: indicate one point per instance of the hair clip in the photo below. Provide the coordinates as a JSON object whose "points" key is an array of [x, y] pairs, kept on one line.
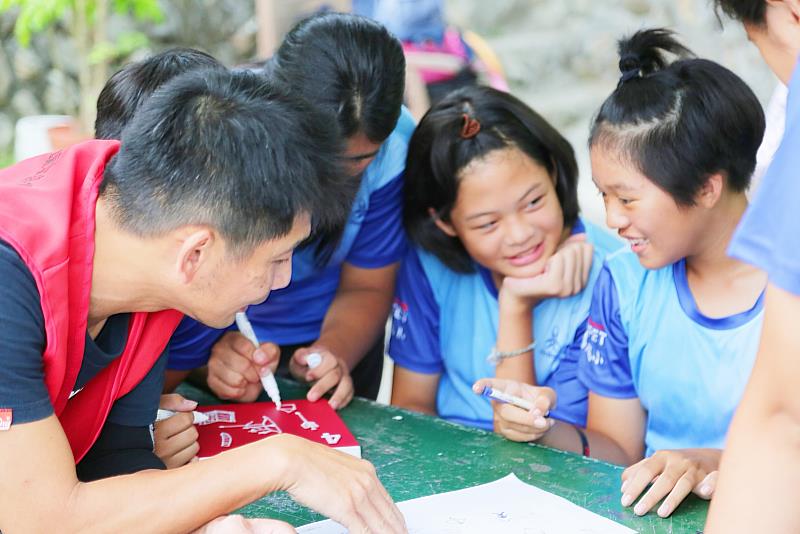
{"points": [[470, 127], [630, 66], [629, 75]]}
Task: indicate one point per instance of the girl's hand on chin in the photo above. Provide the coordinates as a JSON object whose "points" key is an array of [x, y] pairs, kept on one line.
{"points": [[565, 274]]}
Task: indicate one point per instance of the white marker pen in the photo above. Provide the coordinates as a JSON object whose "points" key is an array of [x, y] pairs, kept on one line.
{"points": [[199, 417], [268, 379]]}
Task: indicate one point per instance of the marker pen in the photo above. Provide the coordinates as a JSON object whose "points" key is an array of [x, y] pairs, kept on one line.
{"points": [[267, 379], [501, 396], [199, 417]]}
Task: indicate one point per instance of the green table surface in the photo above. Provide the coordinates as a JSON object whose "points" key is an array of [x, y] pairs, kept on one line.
{"points": [[417, 455]]}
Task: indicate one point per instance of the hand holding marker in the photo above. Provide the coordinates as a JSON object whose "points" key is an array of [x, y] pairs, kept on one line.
{"points": [[501, 396], [267, 379], [199, 417]]}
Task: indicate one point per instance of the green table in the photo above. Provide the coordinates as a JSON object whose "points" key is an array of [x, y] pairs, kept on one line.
{"points": [[417, 455]]}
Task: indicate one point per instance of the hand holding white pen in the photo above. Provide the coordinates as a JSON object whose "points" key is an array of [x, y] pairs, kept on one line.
{"points": [[174, 434], [235, 367], [521, 411], [267, 378]]}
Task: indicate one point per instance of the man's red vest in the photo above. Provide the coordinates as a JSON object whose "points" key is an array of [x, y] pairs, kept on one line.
{"points": [[47, 214]]}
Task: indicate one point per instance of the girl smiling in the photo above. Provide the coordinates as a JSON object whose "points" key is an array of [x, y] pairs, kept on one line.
{"points": [[490, 205]]}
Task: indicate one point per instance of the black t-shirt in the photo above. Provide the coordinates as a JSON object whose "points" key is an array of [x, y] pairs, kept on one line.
{"points": [[22, 344]]}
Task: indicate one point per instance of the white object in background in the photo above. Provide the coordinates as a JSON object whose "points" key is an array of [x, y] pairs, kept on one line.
{"points": [[775, 115], [30, 134], [504, 506]]}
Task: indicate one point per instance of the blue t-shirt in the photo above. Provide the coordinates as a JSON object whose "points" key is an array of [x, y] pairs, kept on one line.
{"points": [[445, 322], [373, 237], [767, 236], [23, 341], [646, 338]]}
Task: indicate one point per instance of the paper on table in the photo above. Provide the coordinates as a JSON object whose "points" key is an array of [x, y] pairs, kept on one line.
{"points": [[504, 506]]}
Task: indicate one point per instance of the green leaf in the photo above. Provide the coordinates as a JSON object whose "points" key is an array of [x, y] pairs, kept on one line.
{"points": [[35, 16], [124, 45]]}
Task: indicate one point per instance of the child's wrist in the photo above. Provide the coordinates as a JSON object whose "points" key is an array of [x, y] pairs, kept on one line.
{"points": [[515, 305]]}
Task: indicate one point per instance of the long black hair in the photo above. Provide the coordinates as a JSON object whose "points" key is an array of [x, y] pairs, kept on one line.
{"points": [[679, 122], [438, 152], [352, 68]]}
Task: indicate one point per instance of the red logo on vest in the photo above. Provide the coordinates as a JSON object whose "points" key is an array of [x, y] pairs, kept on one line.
{"points": [[6, 415]]}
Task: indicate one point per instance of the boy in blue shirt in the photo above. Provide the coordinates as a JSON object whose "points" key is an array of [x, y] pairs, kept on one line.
{"points": [[343, 280]]}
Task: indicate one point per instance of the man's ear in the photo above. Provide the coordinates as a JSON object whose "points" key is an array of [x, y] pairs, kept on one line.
{"points": [[792, 5], [444, 226], [194, 250], [711, 191]]}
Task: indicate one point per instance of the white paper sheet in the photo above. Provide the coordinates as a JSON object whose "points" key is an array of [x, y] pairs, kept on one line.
{"points": [[505, 506]]}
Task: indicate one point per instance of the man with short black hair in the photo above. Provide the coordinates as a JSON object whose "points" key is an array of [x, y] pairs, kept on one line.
{"points": [[197, 211]]}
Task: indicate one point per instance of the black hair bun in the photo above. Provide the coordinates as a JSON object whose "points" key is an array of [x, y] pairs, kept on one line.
{"points": [[646, 51]]}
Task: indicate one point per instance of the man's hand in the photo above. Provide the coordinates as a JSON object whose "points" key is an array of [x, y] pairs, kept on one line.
{"points": [[337, 485], [235, 367]]}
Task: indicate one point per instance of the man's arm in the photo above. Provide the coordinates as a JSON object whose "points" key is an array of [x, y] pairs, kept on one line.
{"points": [[760, 468], [39, 491]]}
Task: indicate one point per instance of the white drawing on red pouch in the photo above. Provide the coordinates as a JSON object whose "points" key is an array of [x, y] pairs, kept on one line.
{"points": [[219, 416], [332, 439], [287, 407], [225, 439], [306, 424], [266, 426]]}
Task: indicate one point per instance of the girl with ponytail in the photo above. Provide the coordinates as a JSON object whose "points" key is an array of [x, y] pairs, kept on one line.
{"points": [[674, 322]]}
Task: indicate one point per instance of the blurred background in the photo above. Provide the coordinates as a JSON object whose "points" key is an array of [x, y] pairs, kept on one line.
{"points": [[559, 56]]}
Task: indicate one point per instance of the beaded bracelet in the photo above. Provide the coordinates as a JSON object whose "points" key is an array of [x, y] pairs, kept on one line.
{"points": [[496, 355]]}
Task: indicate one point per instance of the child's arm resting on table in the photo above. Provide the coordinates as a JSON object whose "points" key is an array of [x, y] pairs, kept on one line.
{"points": [[674, 475], [518, 424], [415, 391]]}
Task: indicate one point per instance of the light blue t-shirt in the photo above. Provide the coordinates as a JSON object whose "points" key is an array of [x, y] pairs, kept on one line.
{"points": [[646, 338], [373, 237], [445, 322], [769, 233]]}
